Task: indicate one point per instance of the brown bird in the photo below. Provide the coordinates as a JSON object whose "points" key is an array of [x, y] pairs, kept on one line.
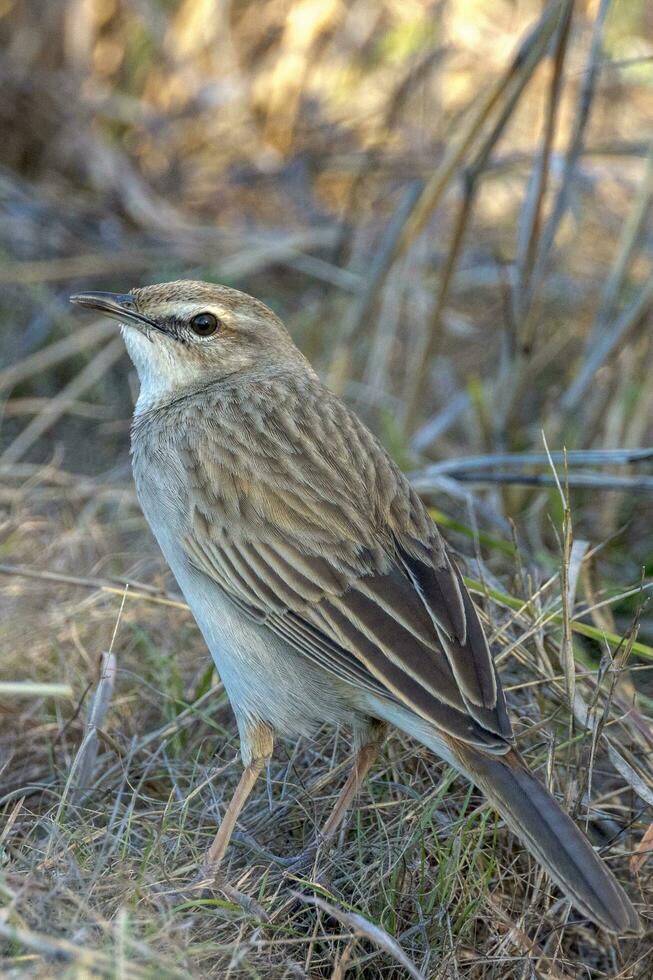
{"points": [[322, 587]]}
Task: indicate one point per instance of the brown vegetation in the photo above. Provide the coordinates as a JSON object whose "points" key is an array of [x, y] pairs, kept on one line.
{"points": [[449, 203]]}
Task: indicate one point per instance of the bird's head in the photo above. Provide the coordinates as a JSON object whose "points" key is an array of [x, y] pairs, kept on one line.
{"points": [[184, 335]]}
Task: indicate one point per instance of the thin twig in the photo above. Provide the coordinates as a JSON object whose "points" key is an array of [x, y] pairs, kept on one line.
{"points": [[508, 468], [81, 770], [34, 689], [592, 481], [57, 406], [55, 353], [530, 219], [627, 241], [575, 144], [362, 308], [517, 84], [136, 591], [536, 40], [634, 313]]}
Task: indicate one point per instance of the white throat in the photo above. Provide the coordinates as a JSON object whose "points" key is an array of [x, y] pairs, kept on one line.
{"points": [[161, 372]]}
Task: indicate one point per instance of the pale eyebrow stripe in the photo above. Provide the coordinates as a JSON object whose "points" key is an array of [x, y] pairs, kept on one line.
{"points": [[184, 310]]}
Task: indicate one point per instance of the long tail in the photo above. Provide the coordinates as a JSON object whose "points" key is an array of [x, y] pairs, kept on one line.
{"points": [[550, 835]]}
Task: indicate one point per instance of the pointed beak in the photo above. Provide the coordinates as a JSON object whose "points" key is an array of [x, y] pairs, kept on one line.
{"points": [[118, 306]]}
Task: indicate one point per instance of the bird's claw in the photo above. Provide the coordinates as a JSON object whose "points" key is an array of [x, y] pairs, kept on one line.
{"points": [[209, 881], [305, 859]]}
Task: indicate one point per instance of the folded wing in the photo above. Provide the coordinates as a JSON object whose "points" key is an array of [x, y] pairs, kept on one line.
{"points": [[304, 521], [399, 631]]}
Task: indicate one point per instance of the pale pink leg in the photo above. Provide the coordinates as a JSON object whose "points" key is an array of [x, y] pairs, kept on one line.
{"points": [[256, 746], [365, 758], [217, 850], [363, 762]]}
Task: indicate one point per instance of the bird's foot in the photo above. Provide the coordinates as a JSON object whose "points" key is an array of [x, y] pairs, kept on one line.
{"points": [[207, 882], [306, 858], [296, 862]]}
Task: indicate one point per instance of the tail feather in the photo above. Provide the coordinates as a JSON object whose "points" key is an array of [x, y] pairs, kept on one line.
{"points": [[550, 835]]}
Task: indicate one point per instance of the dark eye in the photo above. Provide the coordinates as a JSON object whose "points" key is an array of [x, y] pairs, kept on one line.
{"points": [[204, 324]]}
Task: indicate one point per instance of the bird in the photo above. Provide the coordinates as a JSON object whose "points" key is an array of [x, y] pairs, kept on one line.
{"points": [[323, 588]]}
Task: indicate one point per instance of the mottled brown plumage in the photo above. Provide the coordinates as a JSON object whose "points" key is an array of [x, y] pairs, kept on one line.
{"points": [[322, 586], [304, 521]]}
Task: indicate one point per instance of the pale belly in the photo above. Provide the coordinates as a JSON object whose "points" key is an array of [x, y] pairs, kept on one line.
{"points": [[265, 678]]}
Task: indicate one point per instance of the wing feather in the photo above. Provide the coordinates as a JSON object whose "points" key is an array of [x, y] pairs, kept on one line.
{"points": [[445, 596], [456, 721], [326, 543], [352, 634]]}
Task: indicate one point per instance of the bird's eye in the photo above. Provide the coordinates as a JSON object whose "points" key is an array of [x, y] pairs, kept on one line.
{"points": [[204, 324]]}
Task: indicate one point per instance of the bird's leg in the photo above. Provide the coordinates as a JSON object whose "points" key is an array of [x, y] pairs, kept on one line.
{"points": [[256, 749], [221, 840], [363, 762]]}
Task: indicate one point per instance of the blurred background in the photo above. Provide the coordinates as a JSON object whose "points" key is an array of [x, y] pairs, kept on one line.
{"points": [[449, 205]]}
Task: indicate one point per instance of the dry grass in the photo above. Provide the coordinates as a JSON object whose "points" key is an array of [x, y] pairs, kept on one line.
{"points": [[450, 204], [94, 875]]}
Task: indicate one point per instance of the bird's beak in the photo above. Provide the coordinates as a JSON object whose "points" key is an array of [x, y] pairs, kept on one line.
{"points": [[118, 306]]}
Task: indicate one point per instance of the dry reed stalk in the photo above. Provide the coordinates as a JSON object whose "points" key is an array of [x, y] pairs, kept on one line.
{"points": [[638, 308], [96, 368], [517, 77], [34, 689], [137, 590], [362, 308], [522, 370], [530, 223], [81, 770], [630, 234], [61, 350], [574, 149], [17, 407], [528, 54]]}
